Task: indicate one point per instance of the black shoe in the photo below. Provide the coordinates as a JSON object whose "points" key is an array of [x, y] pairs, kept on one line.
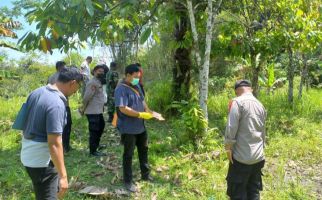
{"points": [[97, 154], [130, 187], [147, 178]]}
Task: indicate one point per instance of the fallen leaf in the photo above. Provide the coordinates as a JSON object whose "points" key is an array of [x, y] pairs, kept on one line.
{"points": [[93, 190], [159, 169], [175, 194], [189, 175], [204, 172], [167, 177], [98, 174], [154, 196], [115, 178], [177, 180], [120, 192], [215, 154], [112, 168], [197, 192]]}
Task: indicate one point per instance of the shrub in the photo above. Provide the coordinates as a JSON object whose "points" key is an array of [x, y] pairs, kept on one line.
{"points": [[192, 122]]}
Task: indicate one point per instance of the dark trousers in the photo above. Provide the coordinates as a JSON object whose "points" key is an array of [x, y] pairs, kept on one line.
{"points": [[244, 181], [96, 126], [141, 142], [67, 130], [45, 182]]}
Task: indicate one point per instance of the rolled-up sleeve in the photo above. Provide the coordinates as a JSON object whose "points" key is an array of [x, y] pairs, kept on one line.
{"points": [[232, 124]]}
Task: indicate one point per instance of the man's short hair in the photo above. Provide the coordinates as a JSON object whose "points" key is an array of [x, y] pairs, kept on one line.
{"points": [[60, 64], [243, 83], [89, 58], [69, 74], [132, 68], [113, 64]]}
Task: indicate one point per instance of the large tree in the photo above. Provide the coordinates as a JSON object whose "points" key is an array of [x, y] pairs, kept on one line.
{"points": [[203, 60]]}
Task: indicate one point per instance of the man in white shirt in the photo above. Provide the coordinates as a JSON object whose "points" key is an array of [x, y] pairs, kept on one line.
{"points": [[86, 71]]}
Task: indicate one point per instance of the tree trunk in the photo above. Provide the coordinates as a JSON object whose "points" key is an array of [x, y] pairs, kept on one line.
{"points": [[290, 74], [194, 33], [203, 68], [204, 72], [255, 70], [183, 65], [303, 77]]}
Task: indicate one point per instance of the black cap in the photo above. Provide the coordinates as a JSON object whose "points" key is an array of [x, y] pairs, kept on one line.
{"points": [[243, 83]]}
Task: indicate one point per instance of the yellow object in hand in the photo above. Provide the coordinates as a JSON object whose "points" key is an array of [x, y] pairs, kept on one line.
{"points": [[145, 115]]}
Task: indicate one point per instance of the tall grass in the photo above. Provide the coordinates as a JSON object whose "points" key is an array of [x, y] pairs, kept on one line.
{"points": [[159, 96]]}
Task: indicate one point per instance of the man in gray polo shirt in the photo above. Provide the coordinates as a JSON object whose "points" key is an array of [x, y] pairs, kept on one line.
{"points": [[244, 144], [42, 150]]}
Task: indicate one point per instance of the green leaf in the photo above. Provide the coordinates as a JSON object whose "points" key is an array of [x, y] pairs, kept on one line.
{"points": [[156, 38], [271, 77], [145, 35], [99, 6], [89, 7], [74, 3], [23, 37]]}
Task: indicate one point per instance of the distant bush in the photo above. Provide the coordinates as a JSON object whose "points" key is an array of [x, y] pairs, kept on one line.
{"points": [[23, 80]]}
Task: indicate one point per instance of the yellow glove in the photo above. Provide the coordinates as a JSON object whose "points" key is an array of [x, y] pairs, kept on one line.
{"points": [[145, 115]]}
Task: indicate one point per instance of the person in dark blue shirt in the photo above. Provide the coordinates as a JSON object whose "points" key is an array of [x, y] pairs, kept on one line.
{"points": [[132, 111]]}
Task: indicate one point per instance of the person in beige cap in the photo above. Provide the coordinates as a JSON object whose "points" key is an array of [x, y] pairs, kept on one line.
{"points": [[244, 144]]}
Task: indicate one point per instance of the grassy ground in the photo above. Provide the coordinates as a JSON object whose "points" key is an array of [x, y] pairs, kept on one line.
{"points": [[293, 155]]}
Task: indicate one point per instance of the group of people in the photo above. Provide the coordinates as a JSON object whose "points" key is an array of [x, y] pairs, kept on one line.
{"points": [[47, 128]]}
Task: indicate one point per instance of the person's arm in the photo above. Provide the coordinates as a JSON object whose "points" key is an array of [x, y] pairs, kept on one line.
{"points": [[231, 129], [107, 77], [129, 111], [264, 129], [82, 66], [55, 118], [121, 101], [57, 156], [89, 93]]}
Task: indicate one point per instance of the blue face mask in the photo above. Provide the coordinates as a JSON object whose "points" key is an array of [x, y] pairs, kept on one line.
{"points": [[135, 81]]}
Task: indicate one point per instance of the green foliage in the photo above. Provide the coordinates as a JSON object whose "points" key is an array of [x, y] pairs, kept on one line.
{"points": [[159, 97], [180, 172], [315, 73], [21, 81], [217, 84], [145, 35], [193, 121], [73, 58]]}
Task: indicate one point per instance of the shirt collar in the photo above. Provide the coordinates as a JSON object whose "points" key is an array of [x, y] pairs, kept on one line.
{"points": [[60, 94], [247, 93]]}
